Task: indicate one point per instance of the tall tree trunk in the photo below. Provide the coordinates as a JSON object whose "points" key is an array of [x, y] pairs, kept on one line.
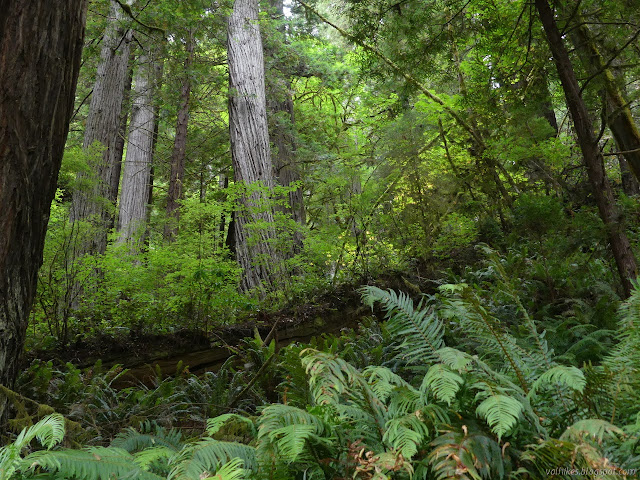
{"points": [[40, 51], [98, 204], [593, 160], [282, 133], [619, 118], [134, 198], [179, 155], [250, 151], [122, 129]]}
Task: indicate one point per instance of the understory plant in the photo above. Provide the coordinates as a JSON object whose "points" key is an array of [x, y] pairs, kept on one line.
{"points": [[453, 392]]}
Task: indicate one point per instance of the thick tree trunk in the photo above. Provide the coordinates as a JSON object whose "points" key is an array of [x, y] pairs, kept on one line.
{"points": [[98, 203], [40, 51], [619, 118], [134, 198], [179, 155], [593, 160], [255, 234]]}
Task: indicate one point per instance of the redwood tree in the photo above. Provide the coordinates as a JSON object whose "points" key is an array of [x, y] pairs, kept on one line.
{"points": [[103, 126], [255, 233], [40, 51]]}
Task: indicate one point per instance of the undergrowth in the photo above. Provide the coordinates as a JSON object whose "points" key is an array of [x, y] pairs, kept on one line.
{"points": [[461, 385]]}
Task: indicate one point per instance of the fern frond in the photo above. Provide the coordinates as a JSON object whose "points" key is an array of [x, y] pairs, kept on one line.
{"points": [[154, 455], [230, 471], [462, 456], [208, 455], [405, 400], [132, 440], [420, 328], [442, 382], [406, 434], [277, 415], [593, 428], [329, 375], [49, 431], [455, 359], [382, 381], [500, 411], [215, 424], [95, 463], [291, 441], [568, 376]]}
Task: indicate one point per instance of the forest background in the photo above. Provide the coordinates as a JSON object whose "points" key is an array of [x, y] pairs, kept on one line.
{"points": [[226, 161]]}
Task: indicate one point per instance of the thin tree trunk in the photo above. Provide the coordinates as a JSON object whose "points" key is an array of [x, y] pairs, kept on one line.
{"points": [[98, 204], [282, 135], [623, 255], [250, 151], [178, 157], [134, 199], [40, 51], [122, 129], [630, 185], [619, 118]]}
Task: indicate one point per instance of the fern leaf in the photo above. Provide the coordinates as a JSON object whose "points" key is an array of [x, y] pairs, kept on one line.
{"points": [[151, 455], [132, 440], [571, 377], [208, 455], [406, 434], [291, 440], [215, 424], [442, 382], [455, 359], [95, 463], [421, 329], [501, 413], [230, 471], [593, 428], [49, 431]]}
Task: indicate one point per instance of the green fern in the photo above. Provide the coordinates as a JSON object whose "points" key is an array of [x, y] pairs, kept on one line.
{"points": [[94, 463], [208, 455], [49, 432], [419, 328], [499, 410], [465, 456], [442, 382], [592, 428], [560, 375], [151, 435]]}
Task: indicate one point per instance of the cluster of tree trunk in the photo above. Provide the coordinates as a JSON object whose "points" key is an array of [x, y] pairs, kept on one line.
{"points": [[593, 159]]}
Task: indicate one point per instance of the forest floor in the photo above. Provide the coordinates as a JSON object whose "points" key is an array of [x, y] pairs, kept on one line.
{"points": [[202, 351]]}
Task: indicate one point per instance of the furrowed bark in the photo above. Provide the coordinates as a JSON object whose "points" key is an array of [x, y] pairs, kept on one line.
{"points": [[255, 234], [40, 51]]}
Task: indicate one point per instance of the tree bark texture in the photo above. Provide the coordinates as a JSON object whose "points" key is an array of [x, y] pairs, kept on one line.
{"points": [[40, 50], [134, 197], [179, 155], [602, 192], [98, 203], [618, 114], [255, 234]]}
